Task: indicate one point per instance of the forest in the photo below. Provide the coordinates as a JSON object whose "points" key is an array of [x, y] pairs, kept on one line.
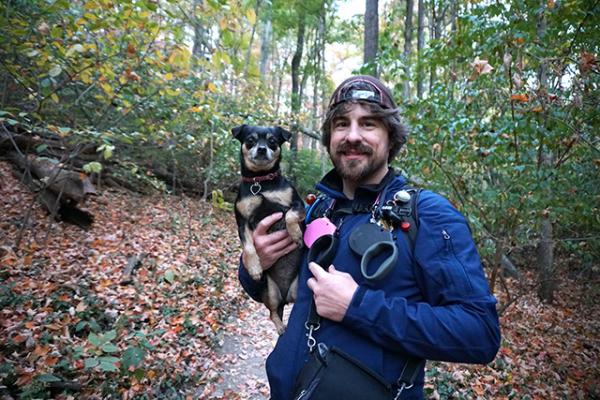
{"points": [[118, 172]]}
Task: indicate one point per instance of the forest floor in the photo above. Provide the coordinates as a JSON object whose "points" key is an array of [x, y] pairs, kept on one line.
{"points": [[183, 328]]}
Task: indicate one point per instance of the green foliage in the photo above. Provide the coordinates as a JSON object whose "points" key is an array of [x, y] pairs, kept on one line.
{"points": [[506, 146], [307, 170]]}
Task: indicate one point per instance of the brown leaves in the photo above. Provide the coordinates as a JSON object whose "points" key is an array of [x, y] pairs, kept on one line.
{"points": [[587, 62], [61, 287], [480, 67]]}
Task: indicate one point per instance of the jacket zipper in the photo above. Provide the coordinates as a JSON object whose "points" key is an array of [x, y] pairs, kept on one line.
{"points": [[446, 237]]}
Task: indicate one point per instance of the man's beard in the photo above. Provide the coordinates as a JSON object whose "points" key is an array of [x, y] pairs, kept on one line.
{"points": [[356, 170]]}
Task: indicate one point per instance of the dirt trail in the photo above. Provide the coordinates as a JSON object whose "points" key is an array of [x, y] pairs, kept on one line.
{"points": [[246, 345]]}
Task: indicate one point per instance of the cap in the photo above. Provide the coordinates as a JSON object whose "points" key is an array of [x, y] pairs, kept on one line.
{"points": [[362, 88]]}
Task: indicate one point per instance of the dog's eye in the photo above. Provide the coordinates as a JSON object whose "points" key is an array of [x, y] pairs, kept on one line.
{"points": [[272, 142], [250, 142]]}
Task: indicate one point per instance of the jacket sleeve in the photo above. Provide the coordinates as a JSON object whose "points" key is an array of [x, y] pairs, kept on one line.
{"points": [[457, 320], [252, 287]]}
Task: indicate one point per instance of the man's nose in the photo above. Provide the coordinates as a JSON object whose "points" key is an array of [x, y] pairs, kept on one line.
{"points": [[354, 132]]}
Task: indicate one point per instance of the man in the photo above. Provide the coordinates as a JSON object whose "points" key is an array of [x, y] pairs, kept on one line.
{"points": [[433, 304]]}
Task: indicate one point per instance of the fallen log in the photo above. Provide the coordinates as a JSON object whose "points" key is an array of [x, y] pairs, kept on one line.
{"points": [[68, 184], [61, 204]]}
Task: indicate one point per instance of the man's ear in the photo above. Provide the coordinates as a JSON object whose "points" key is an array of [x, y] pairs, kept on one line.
{"points": [[237, 132], [284, 134]]}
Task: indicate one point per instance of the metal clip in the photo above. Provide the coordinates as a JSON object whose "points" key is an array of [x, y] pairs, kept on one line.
{"points": [[400, 390], [311, 342]]}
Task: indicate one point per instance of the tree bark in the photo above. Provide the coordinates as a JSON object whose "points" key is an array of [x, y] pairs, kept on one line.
{"points": [[265, 45], [371, 38], [200, 47], [420, 44], [249, 50], [296, 60], [408, 27], [545, 248]]}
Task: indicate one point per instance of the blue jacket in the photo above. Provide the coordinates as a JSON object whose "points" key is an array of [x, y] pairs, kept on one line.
{"points": [[436, 303]]}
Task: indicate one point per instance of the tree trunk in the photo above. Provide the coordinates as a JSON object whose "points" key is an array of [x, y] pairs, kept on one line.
{"points": [[545, 256], [545, 249], [296, 60], [371, 40], [420, 44], [249, 50], [200, 47], [408, 27], [265, 45]]}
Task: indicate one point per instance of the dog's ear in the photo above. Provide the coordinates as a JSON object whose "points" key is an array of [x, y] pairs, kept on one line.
{"points": [[284, 134], [237, 132]]}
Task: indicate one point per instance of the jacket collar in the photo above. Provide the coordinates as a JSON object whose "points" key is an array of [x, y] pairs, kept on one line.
{"points": [[364, 196]]}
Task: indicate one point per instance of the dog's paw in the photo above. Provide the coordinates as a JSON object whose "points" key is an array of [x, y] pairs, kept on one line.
{"points": [[281, 329], [256, 275]]}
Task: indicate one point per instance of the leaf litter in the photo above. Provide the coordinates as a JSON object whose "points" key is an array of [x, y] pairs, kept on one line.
{"points": [[184, 328]]}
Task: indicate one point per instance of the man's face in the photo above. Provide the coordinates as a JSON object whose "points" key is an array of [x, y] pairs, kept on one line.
{"points": [[359, 146]]}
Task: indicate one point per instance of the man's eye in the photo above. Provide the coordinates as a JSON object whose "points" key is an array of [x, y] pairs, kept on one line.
{"points": [[369, 123], [340, 124]]}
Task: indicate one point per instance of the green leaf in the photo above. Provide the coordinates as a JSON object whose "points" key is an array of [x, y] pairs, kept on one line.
{"points": [[41, 148], [109, 348], [108, 364], [55, 71], [92, 167], [91, 363], [110, 335], [47, 378], [95, 339], [133, 356], [170, 276], [80, 325]]}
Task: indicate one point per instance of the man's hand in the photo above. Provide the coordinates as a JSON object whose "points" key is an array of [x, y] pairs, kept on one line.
{"points": [[270, 247], [332, 291]]}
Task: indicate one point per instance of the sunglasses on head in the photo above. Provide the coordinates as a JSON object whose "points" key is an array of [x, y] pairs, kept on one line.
{"points": [[358, 89]]}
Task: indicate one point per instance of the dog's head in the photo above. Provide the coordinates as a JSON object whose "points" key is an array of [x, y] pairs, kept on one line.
{"points": [[261, 146]]}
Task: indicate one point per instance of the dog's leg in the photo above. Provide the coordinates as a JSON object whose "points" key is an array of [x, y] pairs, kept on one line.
{"points": [[249, 256], [292, 291], [292, 224], [273, 300]]}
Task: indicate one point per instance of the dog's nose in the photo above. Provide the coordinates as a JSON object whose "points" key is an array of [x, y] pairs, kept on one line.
{"points": [[262, 150]]}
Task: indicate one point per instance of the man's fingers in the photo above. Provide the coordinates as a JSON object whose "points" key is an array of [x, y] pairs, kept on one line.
{"points": [[316, 270], [277, 254], [264, 225]]}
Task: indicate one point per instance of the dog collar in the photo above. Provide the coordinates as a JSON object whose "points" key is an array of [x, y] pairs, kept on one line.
{"points": [[255, 180]]}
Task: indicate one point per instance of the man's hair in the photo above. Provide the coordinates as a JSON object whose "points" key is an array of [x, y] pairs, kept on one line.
{"points": [[397, 131]]}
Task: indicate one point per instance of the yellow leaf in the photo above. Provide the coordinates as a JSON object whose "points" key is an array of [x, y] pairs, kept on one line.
{"points": [[107, 89], [168, 76], [251, 15], [195, 109], [223, 23], [211, 87], [55, 98]]}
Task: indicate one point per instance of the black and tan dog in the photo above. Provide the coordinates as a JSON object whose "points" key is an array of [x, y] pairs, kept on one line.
{"points": [[264, 191]]}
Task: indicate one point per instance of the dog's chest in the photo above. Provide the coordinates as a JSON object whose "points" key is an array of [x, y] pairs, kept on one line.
{"points": [[249, 204]]}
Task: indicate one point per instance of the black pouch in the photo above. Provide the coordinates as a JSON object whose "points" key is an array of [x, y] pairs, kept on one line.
{"points": [[332, 374]]}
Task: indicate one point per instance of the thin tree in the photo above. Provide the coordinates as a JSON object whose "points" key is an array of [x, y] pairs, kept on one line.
{"points": [[408, 28], [296, 60], [371, 39], [420, 44]]}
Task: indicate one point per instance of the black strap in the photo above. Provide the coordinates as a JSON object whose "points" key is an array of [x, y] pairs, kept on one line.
{"points": [[413, 365]]}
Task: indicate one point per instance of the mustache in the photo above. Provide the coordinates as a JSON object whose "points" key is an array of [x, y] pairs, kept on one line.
{"points": [[359, 148]]}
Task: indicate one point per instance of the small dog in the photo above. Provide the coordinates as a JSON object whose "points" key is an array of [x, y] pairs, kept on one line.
{"points": [[264, 191]]}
